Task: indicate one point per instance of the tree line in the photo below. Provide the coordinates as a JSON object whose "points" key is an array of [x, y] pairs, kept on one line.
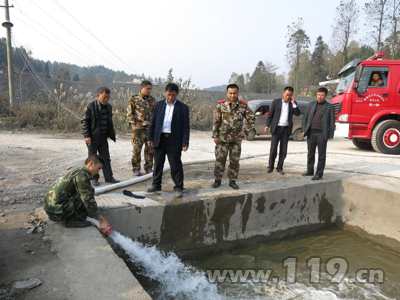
{"points": [[64, 72], [311, 65]]}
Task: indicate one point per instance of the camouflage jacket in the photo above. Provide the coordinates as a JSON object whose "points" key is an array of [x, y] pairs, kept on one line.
{"points": [[230, 121], [68, 191], [140, 111]]}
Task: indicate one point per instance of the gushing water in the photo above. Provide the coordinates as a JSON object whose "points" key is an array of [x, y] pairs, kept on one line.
{"points": [[177, 280], [180, 281]]}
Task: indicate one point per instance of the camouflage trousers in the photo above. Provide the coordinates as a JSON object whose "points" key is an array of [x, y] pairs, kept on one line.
{"points": [[222, 150], [73, 212], [139, 138]]}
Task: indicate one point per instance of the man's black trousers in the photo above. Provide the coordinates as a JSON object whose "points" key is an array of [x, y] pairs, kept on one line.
{"points": [[168, 147], [316, 140], [281, 138], [100, 148]]}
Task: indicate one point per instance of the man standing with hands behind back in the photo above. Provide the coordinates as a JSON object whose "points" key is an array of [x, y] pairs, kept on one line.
{"points": [[97, 127], [169, 136], [229, 117], [318, 127], [280, 123], [139, 113]]}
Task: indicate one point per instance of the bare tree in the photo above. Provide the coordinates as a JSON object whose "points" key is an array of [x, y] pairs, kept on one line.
{"points": [[376, 11], [346, 25], [394, 18]]}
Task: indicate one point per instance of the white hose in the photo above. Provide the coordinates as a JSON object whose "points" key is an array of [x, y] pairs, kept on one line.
{"points": [[132, 181], [93, 221]]}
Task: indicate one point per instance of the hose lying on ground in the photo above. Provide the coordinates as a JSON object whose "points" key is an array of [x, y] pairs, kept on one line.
{"points": [[132, 181]]}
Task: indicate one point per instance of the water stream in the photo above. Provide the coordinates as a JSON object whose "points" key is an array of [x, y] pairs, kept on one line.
{"points": [[320, 266], [176, 280]]}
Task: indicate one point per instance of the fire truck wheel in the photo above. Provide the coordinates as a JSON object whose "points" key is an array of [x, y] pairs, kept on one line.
{"points": [[362, 144], [386, 137]]}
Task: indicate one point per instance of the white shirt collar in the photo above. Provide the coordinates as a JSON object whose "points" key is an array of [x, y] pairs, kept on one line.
{"points": [[173, 103]]}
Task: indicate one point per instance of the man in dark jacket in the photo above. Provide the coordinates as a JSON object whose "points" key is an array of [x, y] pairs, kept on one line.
{"points": [[169, 135], [280, 123], [97, 127], [319, 127]]}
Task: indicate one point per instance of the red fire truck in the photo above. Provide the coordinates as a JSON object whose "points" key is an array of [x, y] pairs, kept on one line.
{"points": [[368, 100]]}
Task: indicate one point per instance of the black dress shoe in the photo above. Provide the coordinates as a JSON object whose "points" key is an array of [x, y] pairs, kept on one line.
{"points": [[154, 189], [216, 184], [178, 192], [137, 173], [308, 174], [112, 180], [280, 171], [316, 177], [270, 170], [233, 185]]}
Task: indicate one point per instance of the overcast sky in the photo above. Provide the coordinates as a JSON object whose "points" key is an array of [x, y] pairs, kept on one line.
{"points": [[203, 39]]}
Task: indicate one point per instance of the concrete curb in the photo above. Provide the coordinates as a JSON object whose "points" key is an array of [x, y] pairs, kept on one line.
{"points": [[92, 268]]}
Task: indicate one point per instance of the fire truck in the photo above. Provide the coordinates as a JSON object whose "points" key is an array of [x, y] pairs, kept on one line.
{"points": [[368, 100]]}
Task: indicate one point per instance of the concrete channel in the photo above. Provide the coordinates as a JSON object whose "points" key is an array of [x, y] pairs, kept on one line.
{"points": [[265, 208]]}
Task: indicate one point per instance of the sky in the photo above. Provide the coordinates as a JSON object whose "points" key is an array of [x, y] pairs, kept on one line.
{"points": [[205, 40]]}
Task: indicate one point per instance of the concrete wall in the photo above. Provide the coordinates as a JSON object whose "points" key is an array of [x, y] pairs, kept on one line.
{"points": [[213, 220], [372, 205], [210, 221]]}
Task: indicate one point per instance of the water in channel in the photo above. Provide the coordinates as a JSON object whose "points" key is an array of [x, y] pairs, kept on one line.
{"points": [[324, 265], [329, 264]]}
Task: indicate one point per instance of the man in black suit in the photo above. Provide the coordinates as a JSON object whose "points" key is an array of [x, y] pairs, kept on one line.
{"points": [[169, 135], [280, 123], [97, 127], [319, 127]]}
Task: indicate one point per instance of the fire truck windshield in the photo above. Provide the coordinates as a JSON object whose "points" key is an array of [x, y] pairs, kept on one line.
{"points": [[346, 79]]}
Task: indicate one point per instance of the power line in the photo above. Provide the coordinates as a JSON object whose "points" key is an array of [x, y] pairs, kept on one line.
{"points": [[69, 31], [37, 78], [49, 35], [51, 39], [91, 33]]}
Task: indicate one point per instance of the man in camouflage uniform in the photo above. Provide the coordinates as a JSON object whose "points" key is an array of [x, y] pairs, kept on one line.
{"points": [[71, 199], [228, 133], [139, 114]]}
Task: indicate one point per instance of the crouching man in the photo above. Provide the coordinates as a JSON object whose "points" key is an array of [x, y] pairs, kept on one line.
{"points": [[71, 199]]}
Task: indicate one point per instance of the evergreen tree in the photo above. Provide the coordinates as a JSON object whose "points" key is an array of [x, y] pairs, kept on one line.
{"points": [[170, 76], [298, 43], [318, 61]]}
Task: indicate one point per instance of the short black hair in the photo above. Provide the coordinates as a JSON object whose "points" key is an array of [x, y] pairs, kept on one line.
{"points": [[145, 83], [322, 89], [376, 72], [232, 86], [94, 159], [172, 87], [288, 88], [103, 89]]}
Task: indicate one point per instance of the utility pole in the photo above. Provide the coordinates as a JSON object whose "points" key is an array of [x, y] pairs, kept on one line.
{"points": [[7, 24]]}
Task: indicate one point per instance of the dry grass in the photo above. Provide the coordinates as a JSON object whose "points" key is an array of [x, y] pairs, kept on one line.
{"points": [[62, 110]]}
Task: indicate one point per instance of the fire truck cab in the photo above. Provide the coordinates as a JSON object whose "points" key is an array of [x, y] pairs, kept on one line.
{"points": [[368, 99]]}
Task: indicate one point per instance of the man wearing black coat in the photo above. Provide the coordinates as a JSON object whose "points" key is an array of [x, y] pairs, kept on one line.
{"points": [[169, 136], [97, 127], [280, 123], [319, 127]]}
